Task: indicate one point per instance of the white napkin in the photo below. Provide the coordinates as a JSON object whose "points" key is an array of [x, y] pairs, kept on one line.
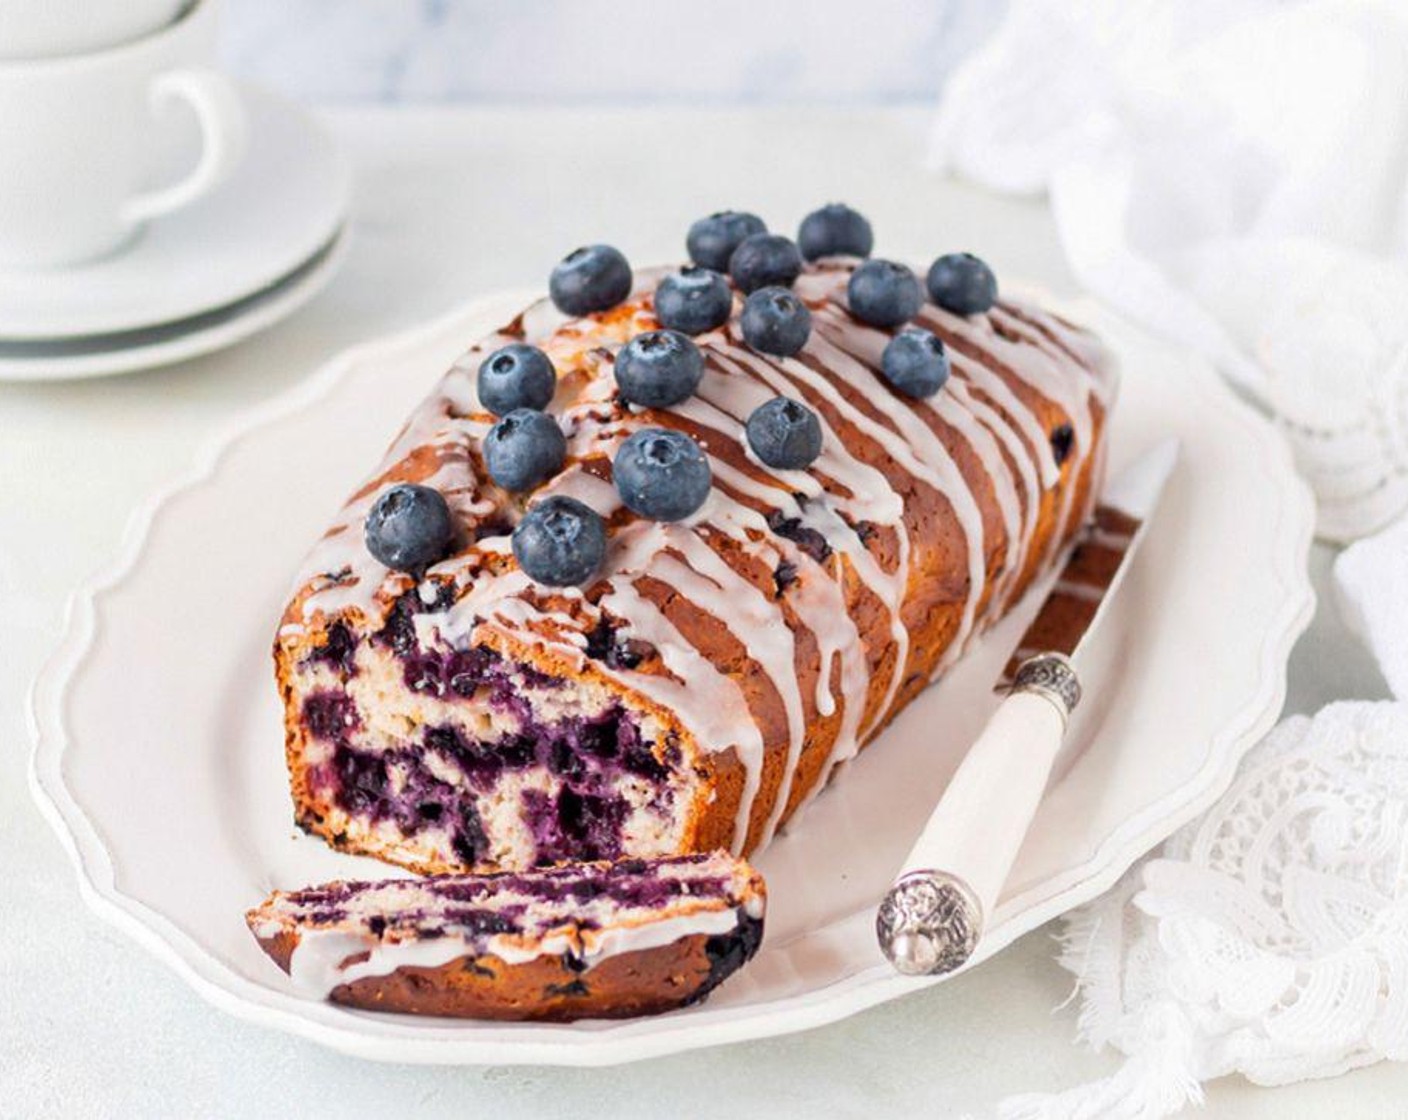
{"points": [[1235, 176], [1269, 938], [1371, 589]]}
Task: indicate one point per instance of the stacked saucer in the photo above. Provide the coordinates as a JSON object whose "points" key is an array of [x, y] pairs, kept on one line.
{"points": [[253, 250]]}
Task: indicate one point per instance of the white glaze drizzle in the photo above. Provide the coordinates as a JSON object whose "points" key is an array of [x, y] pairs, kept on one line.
{"points": [[872, 498], [722, 403], [995, 446], [1033, 359], [326, 958], [1038, 356], [924, 453], [715, 587], [705, 699]]}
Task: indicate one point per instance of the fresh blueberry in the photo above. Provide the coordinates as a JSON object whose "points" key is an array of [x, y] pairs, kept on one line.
{"points": [[524, 449], [775, 321], [409, 528], [712, 240], [835, 229], [961, 283], [915, 363], [884, 294], [516, 376], [661, 474], [693, 300], [763, 260], [785, 434], [659, 368], [595, 278], [560, 542]]}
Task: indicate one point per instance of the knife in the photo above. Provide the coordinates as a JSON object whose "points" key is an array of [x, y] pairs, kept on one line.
{"points": [[931, 918]]}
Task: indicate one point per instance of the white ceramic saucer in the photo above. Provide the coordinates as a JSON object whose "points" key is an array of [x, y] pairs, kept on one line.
{"points": [[281, 209], [165, 343]]}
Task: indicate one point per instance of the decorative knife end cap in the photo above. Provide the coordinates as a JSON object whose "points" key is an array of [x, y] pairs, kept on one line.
{"points": [[1052, 677], [929, 923]]}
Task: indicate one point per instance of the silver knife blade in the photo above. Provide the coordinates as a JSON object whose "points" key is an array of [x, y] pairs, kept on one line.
{"points": [[1098, 561]]}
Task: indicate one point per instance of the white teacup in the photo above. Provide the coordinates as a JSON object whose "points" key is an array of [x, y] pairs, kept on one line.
{"points": [[84, 139], [43, 28]]}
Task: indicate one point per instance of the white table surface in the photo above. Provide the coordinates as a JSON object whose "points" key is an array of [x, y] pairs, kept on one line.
{"points": [[450, 204]]}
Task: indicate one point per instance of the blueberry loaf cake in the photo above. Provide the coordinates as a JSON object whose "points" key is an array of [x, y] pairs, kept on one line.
{"points": [[592, 939], [655, 558]]}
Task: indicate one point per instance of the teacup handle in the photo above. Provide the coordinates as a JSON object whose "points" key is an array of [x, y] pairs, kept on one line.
{"points": [[220, 113]]}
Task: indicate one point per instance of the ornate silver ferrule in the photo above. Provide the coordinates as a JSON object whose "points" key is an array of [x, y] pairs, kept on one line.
{"points": [[929, 923], [1053, 677]]}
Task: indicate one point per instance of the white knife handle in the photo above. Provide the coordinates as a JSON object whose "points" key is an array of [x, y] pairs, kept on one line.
{"points": [[932, 916]]}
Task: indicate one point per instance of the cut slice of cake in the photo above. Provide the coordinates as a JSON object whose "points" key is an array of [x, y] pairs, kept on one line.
{"points": [[591, 940]]}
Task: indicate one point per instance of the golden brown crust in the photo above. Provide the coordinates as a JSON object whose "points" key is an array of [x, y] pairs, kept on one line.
{"points": [[931, 610], [546, 989]]}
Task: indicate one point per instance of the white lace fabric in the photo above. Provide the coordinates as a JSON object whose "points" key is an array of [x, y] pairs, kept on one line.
{"points": [[1269, 938]]}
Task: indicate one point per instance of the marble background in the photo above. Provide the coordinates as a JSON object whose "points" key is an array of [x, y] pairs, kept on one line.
{"points": [[575, 51]]}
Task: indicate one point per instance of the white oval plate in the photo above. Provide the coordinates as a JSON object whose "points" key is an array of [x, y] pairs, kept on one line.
{"points": [[159, 750]]}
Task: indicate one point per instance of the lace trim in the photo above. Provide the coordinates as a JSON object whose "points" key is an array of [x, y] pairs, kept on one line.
{"points": [[1269, 938]]}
